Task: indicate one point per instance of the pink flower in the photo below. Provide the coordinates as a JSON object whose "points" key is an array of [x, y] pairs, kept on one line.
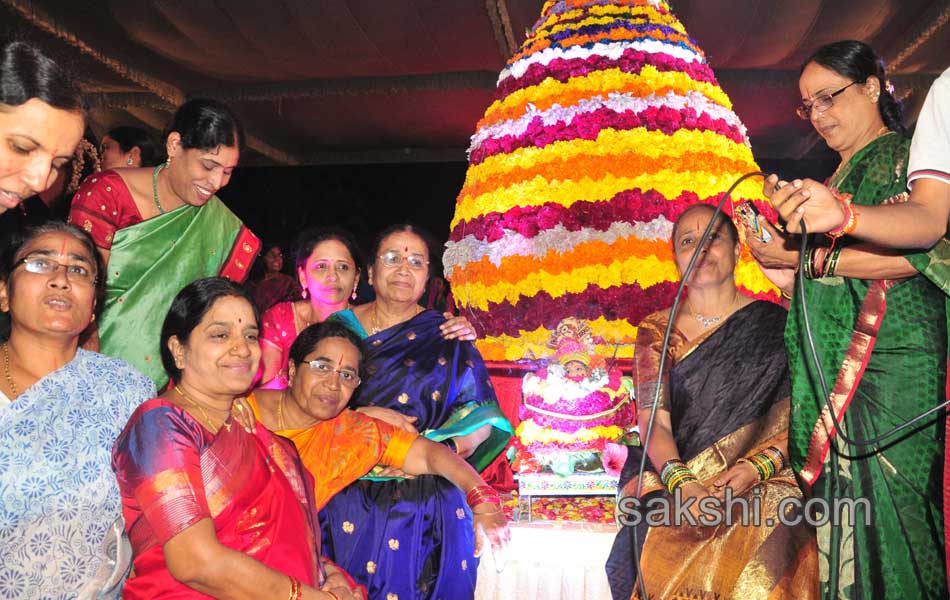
{"points": [[613, 457]]}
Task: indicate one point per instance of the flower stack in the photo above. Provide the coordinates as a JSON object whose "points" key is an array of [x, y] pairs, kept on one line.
{"points": [[606, 125]]}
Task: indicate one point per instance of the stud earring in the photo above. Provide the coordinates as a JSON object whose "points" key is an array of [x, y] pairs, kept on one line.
{"points": [[128, 161]]}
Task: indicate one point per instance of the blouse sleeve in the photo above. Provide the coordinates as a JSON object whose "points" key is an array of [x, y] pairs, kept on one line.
{"points": [[396, 443], [646, 365], [930, 149], [102, 206], [275, 328], [158, 467]]}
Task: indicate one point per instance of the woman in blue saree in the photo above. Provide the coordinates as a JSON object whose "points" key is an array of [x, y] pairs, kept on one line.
{"points": [[412, 538]]}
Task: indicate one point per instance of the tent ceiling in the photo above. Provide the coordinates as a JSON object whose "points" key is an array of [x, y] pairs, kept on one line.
{"points": [[324, 81]]}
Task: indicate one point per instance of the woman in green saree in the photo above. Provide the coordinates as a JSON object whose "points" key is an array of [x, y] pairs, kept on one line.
{"points": [[158, 229], [882, 341]]}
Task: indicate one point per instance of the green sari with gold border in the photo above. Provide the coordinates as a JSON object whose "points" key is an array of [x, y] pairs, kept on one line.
{"points": [[151, 261], [883, 348]]}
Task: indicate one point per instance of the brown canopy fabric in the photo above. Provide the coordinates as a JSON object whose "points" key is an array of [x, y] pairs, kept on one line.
{"points": [[351, 81]]}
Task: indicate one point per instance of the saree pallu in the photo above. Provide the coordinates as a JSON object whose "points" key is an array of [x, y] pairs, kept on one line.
{"points": [[58, 496], [172, 473], [151, 261], [727, 395], [413, 538], [883, 349]]}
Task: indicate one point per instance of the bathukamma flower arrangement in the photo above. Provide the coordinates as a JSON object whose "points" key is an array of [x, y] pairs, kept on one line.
{"points": [[606, 125]]}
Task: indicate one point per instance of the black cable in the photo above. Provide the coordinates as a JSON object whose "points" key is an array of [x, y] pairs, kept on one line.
{"points": [[821, 372], [666, 345]]}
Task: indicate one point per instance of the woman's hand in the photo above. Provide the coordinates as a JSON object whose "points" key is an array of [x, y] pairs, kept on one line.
{"points": [[780, 253], [337, 584], [393, 472], [388, 415], [457, 328], [342, 592], [741, 477], [697, 491], [490, 518], [242, 413], [805, 199]]}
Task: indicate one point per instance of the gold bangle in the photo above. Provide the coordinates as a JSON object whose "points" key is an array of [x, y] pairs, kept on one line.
{"points": [[294, 588], [332, 595]]}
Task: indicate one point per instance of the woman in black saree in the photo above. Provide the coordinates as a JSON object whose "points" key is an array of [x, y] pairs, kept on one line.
{"points": [[721, 424]]}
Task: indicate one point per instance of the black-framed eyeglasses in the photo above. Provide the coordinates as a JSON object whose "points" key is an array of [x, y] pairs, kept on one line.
{"points": [[75, 273], [820, 103], [323, 369]]}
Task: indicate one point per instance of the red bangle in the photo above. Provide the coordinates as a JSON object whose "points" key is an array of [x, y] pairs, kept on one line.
{"points": [[851, 217], [482, 494]]}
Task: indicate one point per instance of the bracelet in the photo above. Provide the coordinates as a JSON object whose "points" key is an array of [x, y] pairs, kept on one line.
{"points": [[851, 217], [820, 257], [481, 494], [675, 473], [766, 463], [332, 595], [295, 593], [451, 444], [833, 262]]}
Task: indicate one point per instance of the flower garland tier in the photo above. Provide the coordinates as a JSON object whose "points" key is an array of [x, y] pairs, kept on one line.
{"points": [[606, 125]]}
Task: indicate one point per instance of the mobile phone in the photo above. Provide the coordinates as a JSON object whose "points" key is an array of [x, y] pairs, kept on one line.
{"points": [[748, 214]]}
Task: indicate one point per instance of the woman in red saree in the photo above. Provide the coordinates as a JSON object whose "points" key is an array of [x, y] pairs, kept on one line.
{"points": [[213, 509]]}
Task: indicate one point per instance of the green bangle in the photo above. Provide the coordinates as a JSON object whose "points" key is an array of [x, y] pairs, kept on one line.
{"points": [[833, 263]]}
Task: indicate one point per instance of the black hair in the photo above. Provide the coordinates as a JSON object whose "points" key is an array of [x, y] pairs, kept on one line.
{"points": [[424, 235], [308, 339], [134, 137], [11, 255], [206, 124], [857, 61], [309, 239], [188, 309], [27, 72], [727, 223]]}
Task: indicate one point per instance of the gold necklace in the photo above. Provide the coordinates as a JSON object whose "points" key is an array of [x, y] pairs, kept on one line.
{"points": [[6, 370], [204, 413], [375, 322]]}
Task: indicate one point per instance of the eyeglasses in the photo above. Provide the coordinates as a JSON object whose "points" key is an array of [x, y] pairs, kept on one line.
{"points": [[40, 265], [821, 103], [322, 370], [416, 262]]}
